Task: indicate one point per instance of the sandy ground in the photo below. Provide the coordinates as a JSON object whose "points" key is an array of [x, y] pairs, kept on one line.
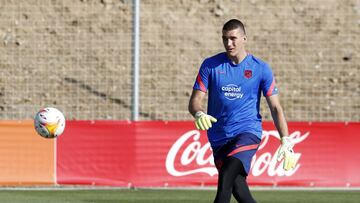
{"points": [[76, 55]]}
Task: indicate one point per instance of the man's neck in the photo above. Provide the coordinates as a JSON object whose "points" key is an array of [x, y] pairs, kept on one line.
{"points": [[238, 58]]}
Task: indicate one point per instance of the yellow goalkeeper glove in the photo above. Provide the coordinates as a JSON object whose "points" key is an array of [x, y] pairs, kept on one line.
{"points": [[286, 152], [203, 121]]}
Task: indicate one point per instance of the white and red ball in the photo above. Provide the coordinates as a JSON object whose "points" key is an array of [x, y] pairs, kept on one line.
{"points": [[49, 122]]}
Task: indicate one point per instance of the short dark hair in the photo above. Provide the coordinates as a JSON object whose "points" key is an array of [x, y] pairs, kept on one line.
{"points": [[234, 24]]}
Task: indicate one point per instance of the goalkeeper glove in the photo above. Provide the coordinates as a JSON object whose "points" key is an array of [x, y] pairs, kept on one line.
{"points": [[203, 121], [287, 153]]}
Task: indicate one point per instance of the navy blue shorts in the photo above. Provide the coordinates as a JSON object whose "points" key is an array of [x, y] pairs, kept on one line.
{"points": [[242, 147]]}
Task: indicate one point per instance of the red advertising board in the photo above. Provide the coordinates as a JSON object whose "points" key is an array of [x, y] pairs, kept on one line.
{"points": [[156, 153], [100, 153]]}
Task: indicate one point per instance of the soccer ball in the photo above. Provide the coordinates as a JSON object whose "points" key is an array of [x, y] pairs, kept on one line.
{"points": [[49, 122]]}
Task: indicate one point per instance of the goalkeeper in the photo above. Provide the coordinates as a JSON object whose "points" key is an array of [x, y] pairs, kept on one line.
{"points": [[234, 80]]}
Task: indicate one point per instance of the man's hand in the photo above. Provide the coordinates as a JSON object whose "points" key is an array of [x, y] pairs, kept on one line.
{"points": [[203, 121], [287, 153]]}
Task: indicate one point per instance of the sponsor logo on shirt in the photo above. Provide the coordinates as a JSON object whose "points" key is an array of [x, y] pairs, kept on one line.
{"points": [[232, 92]]}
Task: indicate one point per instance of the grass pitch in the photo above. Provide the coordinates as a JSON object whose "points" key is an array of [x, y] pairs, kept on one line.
{"points": [[169, 196]]}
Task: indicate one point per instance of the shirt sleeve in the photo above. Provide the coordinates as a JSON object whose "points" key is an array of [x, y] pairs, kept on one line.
{"points": [[202, 79], [268, 84]]}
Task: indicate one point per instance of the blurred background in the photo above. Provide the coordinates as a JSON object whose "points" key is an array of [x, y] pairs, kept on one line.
{"points": [[77, 55]]}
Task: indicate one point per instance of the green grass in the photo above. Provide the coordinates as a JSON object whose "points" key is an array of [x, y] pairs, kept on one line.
{"points": [[170, 196]]}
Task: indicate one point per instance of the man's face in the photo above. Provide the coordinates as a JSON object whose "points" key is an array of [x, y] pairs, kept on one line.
{"points": [[234, 41]]}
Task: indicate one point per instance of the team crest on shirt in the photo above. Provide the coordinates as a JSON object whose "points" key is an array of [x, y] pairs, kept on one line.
{"points": [[248, 74], [232, 92]]}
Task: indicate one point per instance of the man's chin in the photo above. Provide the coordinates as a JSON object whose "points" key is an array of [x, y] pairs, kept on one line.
{"points": [[231, 54]]}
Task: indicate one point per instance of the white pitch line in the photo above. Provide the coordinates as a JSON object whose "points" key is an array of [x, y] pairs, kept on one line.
{"points": [[255, 188]]}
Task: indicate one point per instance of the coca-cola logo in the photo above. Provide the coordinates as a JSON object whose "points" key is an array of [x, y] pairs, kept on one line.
{"points": [[197, 158], [193, 152]]}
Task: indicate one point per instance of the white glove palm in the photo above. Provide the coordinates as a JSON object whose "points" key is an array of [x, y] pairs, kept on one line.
{"points": [[286, 152], [203, 121]]}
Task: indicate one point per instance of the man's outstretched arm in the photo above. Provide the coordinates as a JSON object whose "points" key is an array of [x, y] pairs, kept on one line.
{"points": [[277, 114], [285, 152]]}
